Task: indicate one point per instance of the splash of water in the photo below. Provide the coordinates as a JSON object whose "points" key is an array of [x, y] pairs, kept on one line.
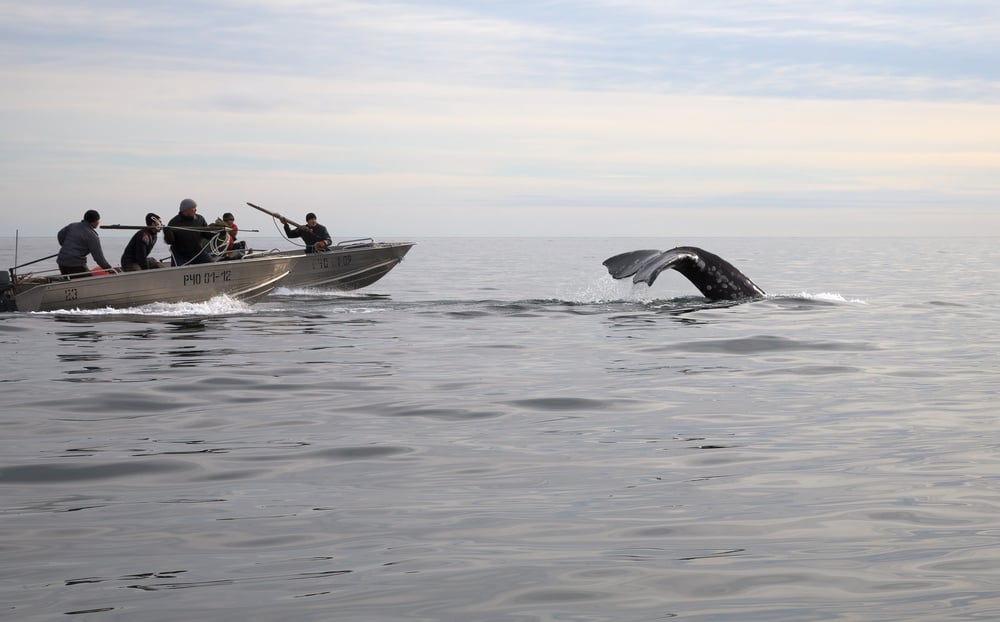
{"points": [[606, 289], [826, 297], [219, 305], [317, 293]]}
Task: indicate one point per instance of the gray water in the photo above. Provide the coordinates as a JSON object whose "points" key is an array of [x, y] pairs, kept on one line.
{"points": [[499, 431]]}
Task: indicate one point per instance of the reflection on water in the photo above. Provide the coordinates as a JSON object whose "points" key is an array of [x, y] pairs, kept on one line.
{"points": [[85, 336], [188, 329], [483, 449]]}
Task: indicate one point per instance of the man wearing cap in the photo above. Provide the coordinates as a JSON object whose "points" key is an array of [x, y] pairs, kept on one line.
{"points": [[188, 235], [315, 235], [76, 241], [136, 255]]}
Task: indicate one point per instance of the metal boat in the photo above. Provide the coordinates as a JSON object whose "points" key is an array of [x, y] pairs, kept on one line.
{"points": [[351, 264], [348, 265], [245, 279]]}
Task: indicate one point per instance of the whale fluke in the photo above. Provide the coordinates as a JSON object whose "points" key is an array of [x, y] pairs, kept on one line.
{"points": [[715, 278]]}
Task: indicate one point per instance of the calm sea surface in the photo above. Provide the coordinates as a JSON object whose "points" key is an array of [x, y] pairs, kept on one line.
{"points": [[499, 431]]}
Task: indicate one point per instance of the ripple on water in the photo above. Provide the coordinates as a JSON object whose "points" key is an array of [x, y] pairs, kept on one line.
{"points": [[562, 403], [358, 453], [51, 473], [761, 344], [432, 412], [529, 460]]}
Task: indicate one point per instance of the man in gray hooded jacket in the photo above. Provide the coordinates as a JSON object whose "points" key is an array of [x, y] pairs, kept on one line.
{"points": [[77, 240]]}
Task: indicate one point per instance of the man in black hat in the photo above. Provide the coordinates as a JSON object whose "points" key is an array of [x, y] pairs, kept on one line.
{"points": [[315, 235], [188, 235], [136, 254], [76, 241]]}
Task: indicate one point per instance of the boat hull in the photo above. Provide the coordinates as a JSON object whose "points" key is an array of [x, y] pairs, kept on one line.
{"points": [[344, 267], [245, 279]]}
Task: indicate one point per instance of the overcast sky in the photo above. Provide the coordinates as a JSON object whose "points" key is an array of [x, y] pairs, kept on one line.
{"points": [[506, 117]]}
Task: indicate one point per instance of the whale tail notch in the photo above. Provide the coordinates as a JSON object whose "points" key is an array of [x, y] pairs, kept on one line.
{"points": [[715, 278]]}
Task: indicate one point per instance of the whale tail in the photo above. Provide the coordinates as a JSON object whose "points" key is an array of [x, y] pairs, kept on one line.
{"points": [[715, 278]]}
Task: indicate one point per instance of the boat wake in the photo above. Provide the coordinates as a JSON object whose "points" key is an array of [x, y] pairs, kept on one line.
{"points": [[219, 305], [307, 292], [822, 297]]}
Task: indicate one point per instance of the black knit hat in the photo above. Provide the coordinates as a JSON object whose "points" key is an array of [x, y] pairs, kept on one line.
{"points": [[228, 216], [310, 216], [91, 215], [151, 218]]}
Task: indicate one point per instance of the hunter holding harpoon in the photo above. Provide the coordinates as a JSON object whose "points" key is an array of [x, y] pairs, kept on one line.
{"points": [[315, 235]]}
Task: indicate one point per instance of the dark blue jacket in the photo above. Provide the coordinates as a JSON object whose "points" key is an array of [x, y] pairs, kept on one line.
{"points": [[310, 235], [139, 248]]}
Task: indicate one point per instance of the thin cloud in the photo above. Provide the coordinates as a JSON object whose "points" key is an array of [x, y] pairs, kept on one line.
{"points": [[899, 23], [452, 117]]}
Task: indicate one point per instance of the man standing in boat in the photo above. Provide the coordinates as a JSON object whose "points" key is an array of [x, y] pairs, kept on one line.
{"points": [[188, 235], [315, 235], [136, 255], [76, 241]]}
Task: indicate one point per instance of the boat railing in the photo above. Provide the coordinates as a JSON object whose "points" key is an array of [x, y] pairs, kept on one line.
{"points": [[356, 242], [255, 253], [251, 253], [42, 277], [36, 277]]}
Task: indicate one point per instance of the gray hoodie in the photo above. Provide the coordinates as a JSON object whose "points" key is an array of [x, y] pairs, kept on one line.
{"points": [[77, 240]]}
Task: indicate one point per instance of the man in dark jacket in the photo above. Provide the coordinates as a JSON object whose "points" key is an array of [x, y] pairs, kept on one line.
{"points": [[315, 235], [188, 235], [136, 255], [76, 241]]}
